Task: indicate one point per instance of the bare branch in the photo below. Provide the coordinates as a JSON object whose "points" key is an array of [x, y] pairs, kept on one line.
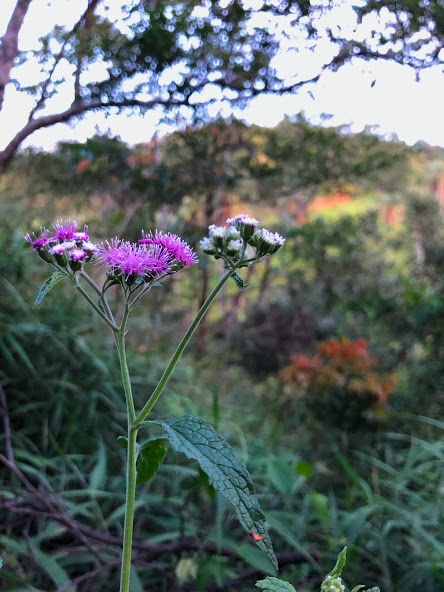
{"points": [[92, 4], [9, 46], [77, 108]]}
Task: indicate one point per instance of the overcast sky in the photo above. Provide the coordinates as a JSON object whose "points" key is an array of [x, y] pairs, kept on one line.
{"points": [[383, 95]]}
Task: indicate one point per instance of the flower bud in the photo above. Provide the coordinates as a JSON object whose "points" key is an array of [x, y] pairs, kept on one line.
{"points": [[332, 585], [40, 245], [232, 234], [233, 248], [217, 233], [80, 237], [60, 254], [266, 242], [77, 258], [244, 224], [90, 249], [207, 246]]}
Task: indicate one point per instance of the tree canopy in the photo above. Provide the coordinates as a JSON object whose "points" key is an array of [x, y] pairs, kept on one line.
{"points": [[177, 57]]}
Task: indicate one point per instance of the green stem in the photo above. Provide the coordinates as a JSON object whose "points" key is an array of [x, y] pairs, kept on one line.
{"points": [[99, 292], [131, 460], [94, 305], [143, 291], [124, 369], [129, 511], [182, 345]]}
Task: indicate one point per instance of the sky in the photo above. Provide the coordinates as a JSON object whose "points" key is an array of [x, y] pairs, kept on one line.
{"points": [[384, 96]]}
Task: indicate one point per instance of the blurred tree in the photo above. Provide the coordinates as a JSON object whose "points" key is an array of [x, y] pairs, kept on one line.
{"points": [[166, 55]]}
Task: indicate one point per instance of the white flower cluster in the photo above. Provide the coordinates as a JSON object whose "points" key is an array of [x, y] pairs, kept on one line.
{"points": [[228, 242]]}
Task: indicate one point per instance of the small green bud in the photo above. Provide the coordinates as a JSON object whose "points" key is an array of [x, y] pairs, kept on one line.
{"points": [[332, 585]]}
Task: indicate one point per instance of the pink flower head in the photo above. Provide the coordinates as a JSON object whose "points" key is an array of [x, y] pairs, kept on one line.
{"points": [[81, 236], [58, 249], [77, 254], [67, 230], [131, 260], [37, 243], [173, 245]]}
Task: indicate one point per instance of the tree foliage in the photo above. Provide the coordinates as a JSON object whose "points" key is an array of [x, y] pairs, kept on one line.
{"points": [[176, 57]]}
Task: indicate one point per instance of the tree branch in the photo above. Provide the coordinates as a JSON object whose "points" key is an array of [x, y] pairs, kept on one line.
{"points": [[92, 4], [9, 47], [76, 108]]}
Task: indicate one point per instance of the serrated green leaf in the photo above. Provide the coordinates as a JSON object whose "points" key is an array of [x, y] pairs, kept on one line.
{"points": [[337, 570], [227, 474], [48, 286], [239, 281], [150, 457], [275, 585]]}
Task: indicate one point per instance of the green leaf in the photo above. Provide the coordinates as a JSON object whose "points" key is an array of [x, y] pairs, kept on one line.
{"points": [[135, 584], [98, 474], [239, 281], [275, 585], [186, 569], [304, 468], [337, 570], [356, 588], [55, 571], [48, 286], [123, 441], [150, 457], [320, 505], [227, 474], [281, 476], [254, 557]]}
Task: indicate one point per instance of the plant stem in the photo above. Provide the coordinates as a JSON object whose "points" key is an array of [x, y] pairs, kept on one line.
{"points": [[124, 368], [129, 511], [182, 345], [99, 292], [131, 458], [135, 422], [94, 305]]}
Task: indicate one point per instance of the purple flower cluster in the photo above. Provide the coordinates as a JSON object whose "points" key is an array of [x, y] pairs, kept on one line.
{"points": [[178, 250], [64, 246], [131, 261], [155, 255]]}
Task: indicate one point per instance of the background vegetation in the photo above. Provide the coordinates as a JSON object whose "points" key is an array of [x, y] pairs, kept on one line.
{"points": [[325, 374]]}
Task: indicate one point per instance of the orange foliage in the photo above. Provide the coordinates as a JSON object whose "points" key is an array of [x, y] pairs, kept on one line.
{"points": [[321, 203], [83, 165], [346, 364]]}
